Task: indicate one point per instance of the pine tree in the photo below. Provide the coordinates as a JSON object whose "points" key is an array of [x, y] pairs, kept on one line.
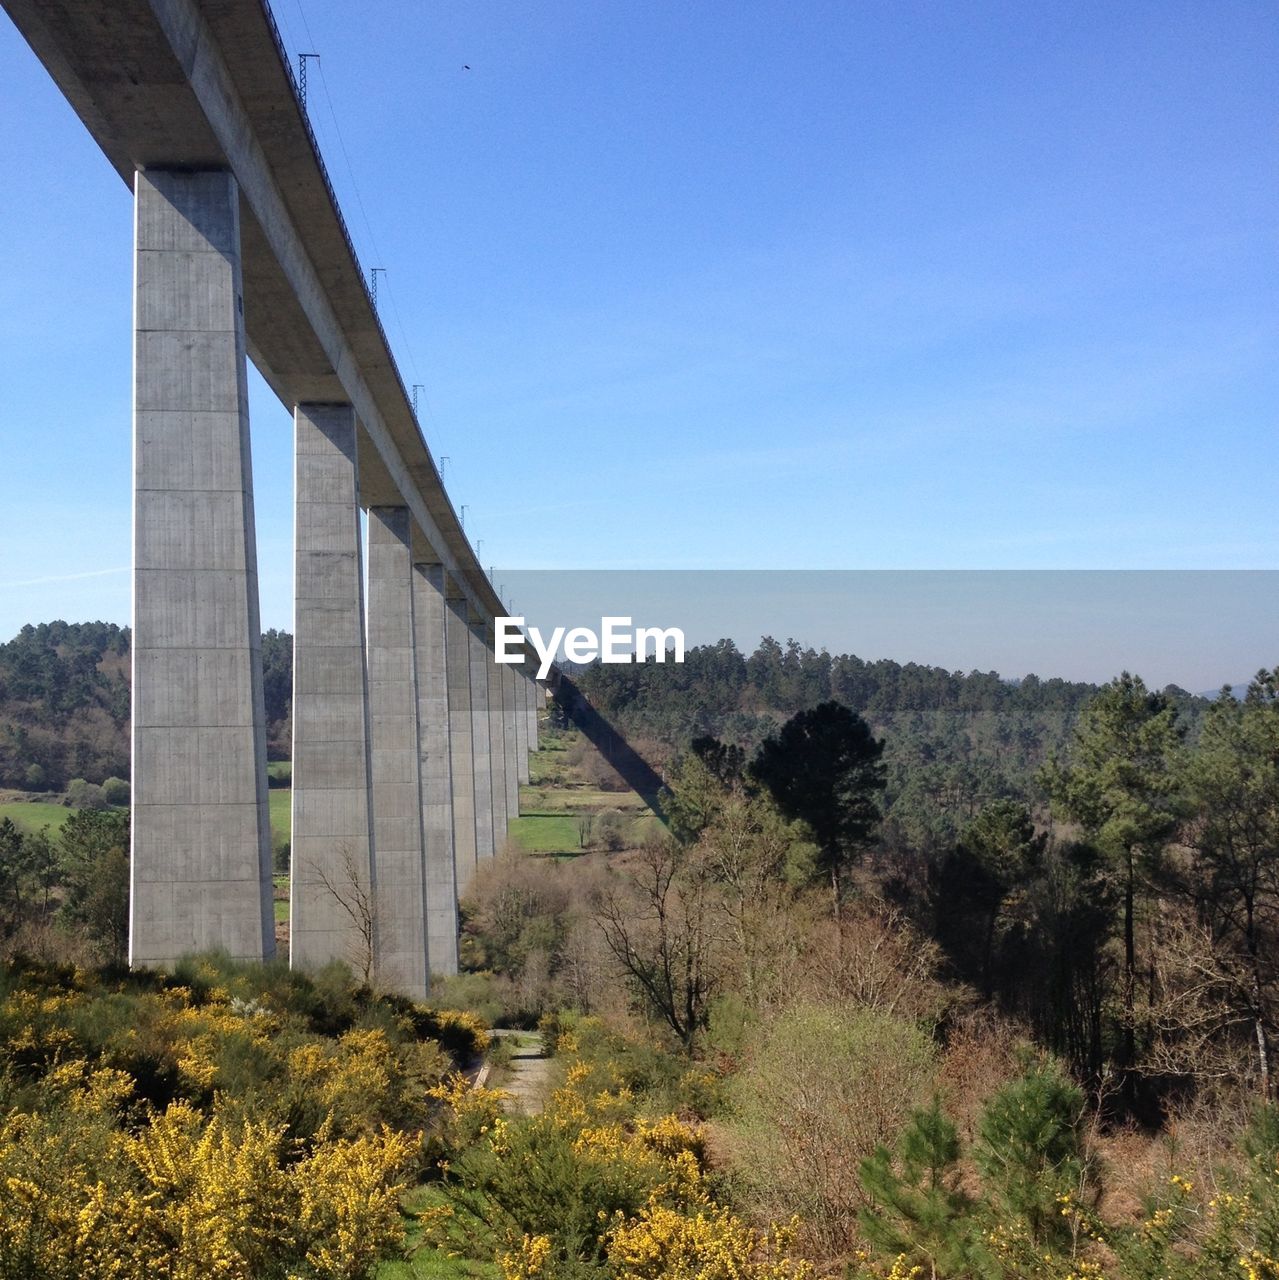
{"points": [[1029, 1151], [918, 1210]]}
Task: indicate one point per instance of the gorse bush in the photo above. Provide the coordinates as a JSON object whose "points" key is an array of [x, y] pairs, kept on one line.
{"points": [[590, 1187], [243, 1122]]}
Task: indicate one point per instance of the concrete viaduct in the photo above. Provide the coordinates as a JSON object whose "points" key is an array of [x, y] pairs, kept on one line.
{"points": [[409, 740]]}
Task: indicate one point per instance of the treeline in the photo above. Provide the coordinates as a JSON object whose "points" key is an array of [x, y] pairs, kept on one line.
{"points": [[955, 741], [64, 703], [1137, 936]]}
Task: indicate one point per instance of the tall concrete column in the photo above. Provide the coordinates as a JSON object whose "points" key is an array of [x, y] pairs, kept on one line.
{"points": [[399, 874], [511, 730], [457, 642], [200, 865], [331, 892], [521, 723], [481, 754], [497, 749], [534, 699], [429, 620]]}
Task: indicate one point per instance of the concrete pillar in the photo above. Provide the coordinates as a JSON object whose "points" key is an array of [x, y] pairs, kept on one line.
{"points": [[200, 865], [399, 875], [480, 753], [521, 724], [534, 700], [511, 729], [457, 641], [429, 616], [331, 891], [497, 749]]}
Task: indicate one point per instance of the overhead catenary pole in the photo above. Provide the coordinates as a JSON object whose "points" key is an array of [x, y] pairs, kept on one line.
{"points": [[302, 61]]}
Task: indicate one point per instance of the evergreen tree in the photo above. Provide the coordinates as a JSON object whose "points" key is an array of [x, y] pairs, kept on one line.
{"points": [[1029, 1150], [917, 1208], [1121, 784], [1234, 783], [823, 768]]}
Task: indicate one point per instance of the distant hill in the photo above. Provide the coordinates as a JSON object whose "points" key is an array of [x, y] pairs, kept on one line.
{"points": [[64, 702]]}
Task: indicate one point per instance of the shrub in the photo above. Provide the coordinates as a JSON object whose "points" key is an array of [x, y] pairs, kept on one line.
{"points": [[823, 1087], [85, 795], [115, 791], [587, 1188]]}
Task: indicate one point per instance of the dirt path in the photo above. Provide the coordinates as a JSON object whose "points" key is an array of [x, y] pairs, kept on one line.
{"points": [[528, 1075]]}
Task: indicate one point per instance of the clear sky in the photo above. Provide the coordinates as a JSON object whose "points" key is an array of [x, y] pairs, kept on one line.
{"points": [[759, 285]]}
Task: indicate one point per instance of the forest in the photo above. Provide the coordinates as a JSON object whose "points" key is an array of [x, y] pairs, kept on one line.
{"points": [[64, 703]]}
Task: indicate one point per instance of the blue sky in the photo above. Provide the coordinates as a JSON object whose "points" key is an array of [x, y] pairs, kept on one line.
{"points": [[756, 285]]}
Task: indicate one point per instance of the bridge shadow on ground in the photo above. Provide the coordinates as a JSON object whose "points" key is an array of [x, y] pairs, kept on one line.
{"points": [[631, 767]]}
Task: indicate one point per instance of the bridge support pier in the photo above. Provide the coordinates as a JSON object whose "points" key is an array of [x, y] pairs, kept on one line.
{"points": [[457, 640], [399, 875], [331, 882], [481, 753], [521, 723], [534, 696], [200, 863], [511, 730], [496, 674], [429, 622]]}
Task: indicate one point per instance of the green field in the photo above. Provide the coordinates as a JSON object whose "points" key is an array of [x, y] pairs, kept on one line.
{"points": [[281, 801], [547, 799], [31, 815], [545, 833]]}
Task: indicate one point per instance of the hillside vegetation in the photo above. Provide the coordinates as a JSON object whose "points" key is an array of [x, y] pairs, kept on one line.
{"points": [[967, 981], [64, 703]]}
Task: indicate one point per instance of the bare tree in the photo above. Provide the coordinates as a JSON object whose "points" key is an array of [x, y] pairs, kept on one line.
{"points": [[744, 852], [657, 921], [1193, 1012], [359, 901]]}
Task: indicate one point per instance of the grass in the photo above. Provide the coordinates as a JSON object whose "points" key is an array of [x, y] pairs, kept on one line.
{"points": [[547, 800], [426, 1263], [281, 801], [546, 833], [280, 896], [30, 815], [435, 1264]]}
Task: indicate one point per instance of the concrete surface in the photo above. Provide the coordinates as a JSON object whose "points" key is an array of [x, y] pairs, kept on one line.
{"points": [[429, 616], [399, 873], [461, 751], [331, 841], [201, 852], [480, 753]]}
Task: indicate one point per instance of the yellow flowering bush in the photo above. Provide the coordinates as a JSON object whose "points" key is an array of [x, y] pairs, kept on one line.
{"points": [[663, 1243], [203, 1128], [589, 1187]]}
